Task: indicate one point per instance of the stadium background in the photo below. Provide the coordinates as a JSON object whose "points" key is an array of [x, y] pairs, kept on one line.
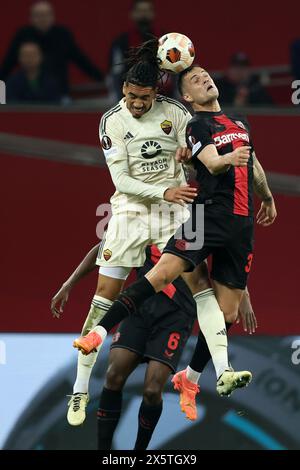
{"points": [[52, 181]]}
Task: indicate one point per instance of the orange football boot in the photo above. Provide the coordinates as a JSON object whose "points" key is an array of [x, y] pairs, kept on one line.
{"points": [[89, 343], [188, 391]]}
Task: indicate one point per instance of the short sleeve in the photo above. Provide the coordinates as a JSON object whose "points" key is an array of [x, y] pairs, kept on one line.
{"points": [[198, 136]]}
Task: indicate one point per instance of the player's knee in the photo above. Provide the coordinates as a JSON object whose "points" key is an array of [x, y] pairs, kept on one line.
{"points": [[152, 394], [109, 288], [163, 277], [115, 379], [230, 315], [230, 308], [107, 291]]}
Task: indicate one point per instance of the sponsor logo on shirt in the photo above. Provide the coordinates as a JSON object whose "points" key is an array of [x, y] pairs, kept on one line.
{"points": [[157, 165], [228, 138], [151, 149], [166, 126]]}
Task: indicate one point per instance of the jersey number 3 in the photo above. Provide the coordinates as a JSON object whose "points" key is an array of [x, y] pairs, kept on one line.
{"points": [[248, 265]]}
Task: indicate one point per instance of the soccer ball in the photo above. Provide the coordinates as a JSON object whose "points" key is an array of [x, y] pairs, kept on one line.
{"points": [[176, 52]]}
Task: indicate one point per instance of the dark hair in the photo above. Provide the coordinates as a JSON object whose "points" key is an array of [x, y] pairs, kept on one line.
{"points": [[143, 65], [182, 75]]}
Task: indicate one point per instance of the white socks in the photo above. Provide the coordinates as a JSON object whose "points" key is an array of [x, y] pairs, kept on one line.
{"points": [[85, 364], [192, 375], [212, 324], [101, 332]]}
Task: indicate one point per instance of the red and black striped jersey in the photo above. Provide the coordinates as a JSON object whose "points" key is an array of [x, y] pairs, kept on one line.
{"points": [[231, 191]]}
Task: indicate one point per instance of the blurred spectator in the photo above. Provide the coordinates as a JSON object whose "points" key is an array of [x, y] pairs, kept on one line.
{"points": [[240, 87], [56, 42], [142, 15], [295, 59], [31, 84]]}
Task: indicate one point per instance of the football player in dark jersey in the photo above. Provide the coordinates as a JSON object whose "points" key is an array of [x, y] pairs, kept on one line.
{"points": [[229, 199], [224, 157], [156, 336]]}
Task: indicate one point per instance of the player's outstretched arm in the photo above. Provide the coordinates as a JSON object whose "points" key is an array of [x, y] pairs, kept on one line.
{"points": [[216, 163], [61, 297], [267, 213], [246, 314]]}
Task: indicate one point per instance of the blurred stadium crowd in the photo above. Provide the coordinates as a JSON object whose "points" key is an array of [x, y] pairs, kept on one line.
{"points": [[35, 66]]}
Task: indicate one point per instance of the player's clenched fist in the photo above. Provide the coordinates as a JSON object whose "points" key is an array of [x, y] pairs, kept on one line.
{"points": [[239, 157], [183, 155]]}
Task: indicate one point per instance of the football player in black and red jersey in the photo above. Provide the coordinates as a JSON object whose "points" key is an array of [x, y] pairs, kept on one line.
{"points": [[224, 159], [156, 336], [226, 190]]}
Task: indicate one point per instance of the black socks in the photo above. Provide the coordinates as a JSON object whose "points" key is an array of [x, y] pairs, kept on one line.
{"points": [[108, 415], [127, 303], [148, 418]]}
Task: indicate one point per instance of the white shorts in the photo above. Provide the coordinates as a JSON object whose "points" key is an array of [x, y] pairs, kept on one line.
{"points": [[129, 233], [115, 272]]}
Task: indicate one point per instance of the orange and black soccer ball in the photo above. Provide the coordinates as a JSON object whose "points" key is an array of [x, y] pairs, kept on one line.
{"points": [[176, 52]]}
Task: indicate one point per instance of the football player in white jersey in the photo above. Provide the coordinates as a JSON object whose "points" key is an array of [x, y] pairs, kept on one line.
{"points": [[140, 137], [136, 161]]}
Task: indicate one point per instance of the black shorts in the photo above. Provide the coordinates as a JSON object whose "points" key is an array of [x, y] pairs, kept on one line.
{"points": [[228, 238], [158, 333]]}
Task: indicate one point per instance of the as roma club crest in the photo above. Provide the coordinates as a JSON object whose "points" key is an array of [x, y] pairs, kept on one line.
{"points": [[107, 254], [166, 127]]}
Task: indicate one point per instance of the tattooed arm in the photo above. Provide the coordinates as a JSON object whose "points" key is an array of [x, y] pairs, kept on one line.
{"points": [[261, 187], [267, 213]]}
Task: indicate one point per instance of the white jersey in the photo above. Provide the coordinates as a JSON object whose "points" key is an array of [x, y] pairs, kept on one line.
{"points": [[140, 153]]}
